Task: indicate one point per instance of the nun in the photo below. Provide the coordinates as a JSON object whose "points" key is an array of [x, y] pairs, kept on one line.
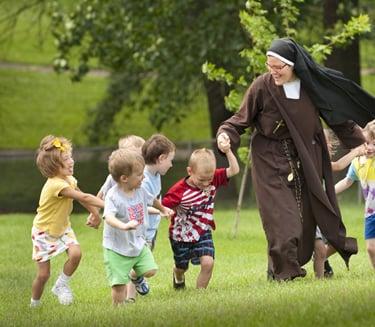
{"points": [[291, 168]]}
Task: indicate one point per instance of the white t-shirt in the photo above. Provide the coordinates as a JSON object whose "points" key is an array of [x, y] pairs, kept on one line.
{"points": [[131, 242]]}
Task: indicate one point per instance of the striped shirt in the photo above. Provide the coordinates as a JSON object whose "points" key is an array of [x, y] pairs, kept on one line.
{"points": [[193, 208]]}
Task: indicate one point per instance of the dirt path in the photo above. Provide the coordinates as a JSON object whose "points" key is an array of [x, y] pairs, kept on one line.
{"points": [[24, 67]]}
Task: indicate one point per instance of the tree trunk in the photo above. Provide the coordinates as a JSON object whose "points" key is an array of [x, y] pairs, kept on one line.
{"points": [[339, 58], [216, 92]]}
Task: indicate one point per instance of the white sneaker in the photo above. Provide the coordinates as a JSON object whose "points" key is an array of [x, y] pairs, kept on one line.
{"points": [[63, 293], [35, 304]]}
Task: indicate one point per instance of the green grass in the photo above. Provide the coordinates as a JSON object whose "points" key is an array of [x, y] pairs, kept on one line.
{"points": [[36, 104], [367, 50], [238, 294], [368, 83]]}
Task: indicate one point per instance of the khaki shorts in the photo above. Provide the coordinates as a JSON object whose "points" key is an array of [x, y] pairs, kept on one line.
{"points": [[118, 266]]}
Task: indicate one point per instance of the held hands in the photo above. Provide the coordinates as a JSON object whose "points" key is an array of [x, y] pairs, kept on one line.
{"points": [[166, 212], [93, 220], [223, 142]]}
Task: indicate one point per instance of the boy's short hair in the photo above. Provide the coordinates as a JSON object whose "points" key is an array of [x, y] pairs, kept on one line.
{"points": [[129, 141], [122, 162], [155, 146], [203, 158], [49, 155]]}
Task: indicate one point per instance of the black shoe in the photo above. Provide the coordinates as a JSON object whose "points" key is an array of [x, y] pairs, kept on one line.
{"points": [[178, 286], [328, 271], [270, 275]]}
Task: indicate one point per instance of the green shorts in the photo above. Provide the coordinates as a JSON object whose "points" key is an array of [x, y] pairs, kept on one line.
{"points": [[118, 266]]}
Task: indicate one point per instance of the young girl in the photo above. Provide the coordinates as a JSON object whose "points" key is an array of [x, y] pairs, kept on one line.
{"points": [[51, 231], [322, 250], [362, 169]]}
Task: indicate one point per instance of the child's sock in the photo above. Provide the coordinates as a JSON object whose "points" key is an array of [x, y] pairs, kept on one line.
{"points": [[34, 303], [63, 279]]}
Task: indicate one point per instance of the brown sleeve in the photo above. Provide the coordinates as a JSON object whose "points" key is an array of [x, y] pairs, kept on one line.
{"points": [[349, 133], [244, 118]]}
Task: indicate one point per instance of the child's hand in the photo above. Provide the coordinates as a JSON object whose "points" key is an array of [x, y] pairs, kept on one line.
{"points": [[223, 142], [360, 150], [132, 224], [166, 212], [93, 221]]}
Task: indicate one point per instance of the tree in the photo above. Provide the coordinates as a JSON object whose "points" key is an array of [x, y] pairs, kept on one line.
{"points": [[334, 12], [154, 50], [261, 32]]}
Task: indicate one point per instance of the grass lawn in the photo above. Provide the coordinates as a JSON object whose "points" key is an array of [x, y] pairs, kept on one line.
{"points": [[36, 104], [238, 294]]}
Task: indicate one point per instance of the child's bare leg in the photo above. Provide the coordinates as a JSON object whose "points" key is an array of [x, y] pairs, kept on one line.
{"points": [[147, 274], [330, 250], [150, 273], [179, 274], [118, 294], [319, 258], [40, 280], [370, 245], [131, 292], [74, 257], [207, 266]]}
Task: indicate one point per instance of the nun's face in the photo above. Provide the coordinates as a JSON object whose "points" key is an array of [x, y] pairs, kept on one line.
{"points": [[280, 71]]}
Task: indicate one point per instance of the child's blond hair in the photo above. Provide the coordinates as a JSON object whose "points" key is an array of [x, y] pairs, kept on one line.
{"points": [[203, 158], [122, 162], [331, 139], [369, 130], [49, 155], [130, 141], [155, 146]]}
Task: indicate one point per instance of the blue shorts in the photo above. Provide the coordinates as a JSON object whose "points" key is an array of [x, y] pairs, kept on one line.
{"points": [[370, 227], [183, 252]]}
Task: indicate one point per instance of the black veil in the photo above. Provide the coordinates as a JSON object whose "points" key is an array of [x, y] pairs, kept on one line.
{"points": [[337, 98]]}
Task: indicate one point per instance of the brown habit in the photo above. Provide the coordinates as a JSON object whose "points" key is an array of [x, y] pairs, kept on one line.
{"points": [[288, 133]]}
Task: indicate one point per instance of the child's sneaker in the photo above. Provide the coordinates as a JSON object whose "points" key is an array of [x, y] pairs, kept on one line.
{"points": [[180, 285], [63, 293], [35, 303], [141, 285]]}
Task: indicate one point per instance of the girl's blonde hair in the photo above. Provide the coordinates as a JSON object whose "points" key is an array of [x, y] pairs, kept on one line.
{"points": [[370, 130], [202, 158], [122, 162], [331, 140], [49, 155]]}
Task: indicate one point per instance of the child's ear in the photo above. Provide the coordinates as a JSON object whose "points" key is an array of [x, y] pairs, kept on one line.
{"points": [[162, 157], [189, 170], [123, 179]]}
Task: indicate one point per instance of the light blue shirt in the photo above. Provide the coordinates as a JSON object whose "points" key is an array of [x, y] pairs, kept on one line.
{"points": [[152, 184], [351, 174]]}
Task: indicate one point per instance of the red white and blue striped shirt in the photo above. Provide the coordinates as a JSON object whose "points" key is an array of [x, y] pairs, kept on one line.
{"points": [[193, 208]]}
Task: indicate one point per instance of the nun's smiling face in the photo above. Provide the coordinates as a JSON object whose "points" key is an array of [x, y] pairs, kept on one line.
{"points": [[280, 71]]}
